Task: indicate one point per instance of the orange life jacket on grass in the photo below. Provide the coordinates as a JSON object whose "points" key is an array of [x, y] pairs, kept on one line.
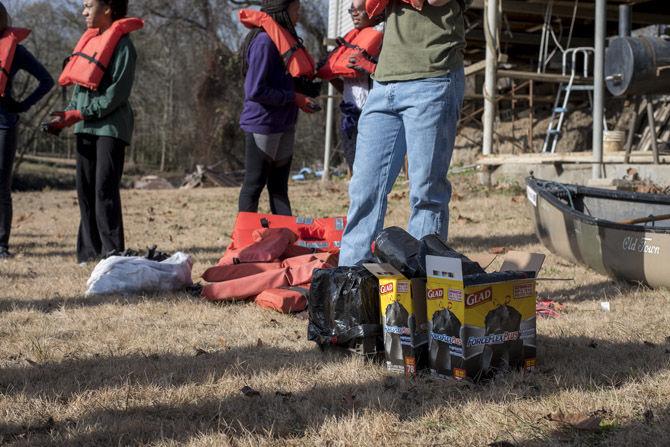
{"points": [[323, 234], [297, 60], [285, 300], [8, 41], [366, 43], [93, 53], [376, 7]]}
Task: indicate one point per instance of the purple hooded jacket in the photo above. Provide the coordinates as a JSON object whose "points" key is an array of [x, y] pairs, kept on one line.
{"points": [[268, 90]]}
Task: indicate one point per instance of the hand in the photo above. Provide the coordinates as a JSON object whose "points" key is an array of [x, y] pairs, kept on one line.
{"points": [[12, 106], [46, 127], [362, 63], [61, 120], [306, 104]]}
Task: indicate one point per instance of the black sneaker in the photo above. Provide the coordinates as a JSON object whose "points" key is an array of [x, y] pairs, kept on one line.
{"points": [[5, 254]]}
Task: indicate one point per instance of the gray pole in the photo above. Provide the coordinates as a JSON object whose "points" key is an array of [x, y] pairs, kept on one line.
{"points": [[491, 33], [625, 21], [333, 29], [599, 88], [330, 116]]}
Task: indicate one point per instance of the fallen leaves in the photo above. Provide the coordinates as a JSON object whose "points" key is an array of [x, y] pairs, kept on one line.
{"points": [[595, 421], [464, 220], [249, 392], [200, 351], [578, 421]]}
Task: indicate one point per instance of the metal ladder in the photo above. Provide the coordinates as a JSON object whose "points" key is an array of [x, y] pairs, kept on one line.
{"points": [[564, 91]]}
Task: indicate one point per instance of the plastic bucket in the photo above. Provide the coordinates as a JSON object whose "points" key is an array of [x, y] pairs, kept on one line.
{"points": [[613, 140]]}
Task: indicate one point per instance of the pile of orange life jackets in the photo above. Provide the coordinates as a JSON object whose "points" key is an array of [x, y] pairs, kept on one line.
{"points": [[271, 259]]}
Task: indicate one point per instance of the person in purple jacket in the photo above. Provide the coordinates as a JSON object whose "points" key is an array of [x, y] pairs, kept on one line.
{"points": [[10, 109], [270, 112]]}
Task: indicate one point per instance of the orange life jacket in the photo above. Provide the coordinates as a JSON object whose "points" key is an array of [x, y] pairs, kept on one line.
{"points": [[297, 60], [376, 7], [366, 43], [251, 286], [285, 300], [323, 234], [93, 53], [8, 41]]}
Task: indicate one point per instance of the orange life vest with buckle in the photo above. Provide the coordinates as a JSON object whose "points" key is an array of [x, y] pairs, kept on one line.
{"points": [[323, 234], [365, 43], [93, 53], [297, 60], [8, 41], [376, 7]]}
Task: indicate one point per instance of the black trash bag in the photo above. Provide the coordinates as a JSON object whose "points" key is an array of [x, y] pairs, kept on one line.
{"points": [[487, 278], [152, 254], [397, 247], [446, 348], [343, 307], [434, 245]]}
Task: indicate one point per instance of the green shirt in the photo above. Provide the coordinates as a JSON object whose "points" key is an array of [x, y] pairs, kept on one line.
{"points": [[107, 112], [421, 44]]}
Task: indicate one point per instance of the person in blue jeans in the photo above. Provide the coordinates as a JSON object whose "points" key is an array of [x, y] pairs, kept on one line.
{"points": [[10, 109], [413, 108]]}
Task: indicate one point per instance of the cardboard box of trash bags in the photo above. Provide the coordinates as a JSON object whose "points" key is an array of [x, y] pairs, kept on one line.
{"points": [[481, 323], [461, 321], [403, 316]]}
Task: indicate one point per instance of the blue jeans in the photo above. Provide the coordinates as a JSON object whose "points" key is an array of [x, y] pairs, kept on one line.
{"points": [[418, 118]]}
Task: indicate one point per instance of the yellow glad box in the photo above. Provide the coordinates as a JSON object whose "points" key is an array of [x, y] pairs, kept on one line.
{"points": [[403, 313], [481, 324]]}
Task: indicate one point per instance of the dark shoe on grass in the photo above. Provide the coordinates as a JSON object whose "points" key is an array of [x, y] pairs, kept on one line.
{"points": [[5, 254]]}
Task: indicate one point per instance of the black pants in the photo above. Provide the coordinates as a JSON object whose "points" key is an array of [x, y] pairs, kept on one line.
{"points": [[349, 148], [262, 171], [99, 171], [7, 154]]}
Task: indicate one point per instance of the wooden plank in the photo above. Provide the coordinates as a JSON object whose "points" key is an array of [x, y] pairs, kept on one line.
{"points": [[568, 157], [541, 77], [475, 68], [586, 11]]}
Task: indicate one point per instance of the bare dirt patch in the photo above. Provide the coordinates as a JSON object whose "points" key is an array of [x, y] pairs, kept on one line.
{"points": [[170, 369]]}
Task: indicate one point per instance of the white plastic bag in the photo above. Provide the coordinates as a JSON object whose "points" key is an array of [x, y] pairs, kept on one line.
{"points": [[133, 274]]}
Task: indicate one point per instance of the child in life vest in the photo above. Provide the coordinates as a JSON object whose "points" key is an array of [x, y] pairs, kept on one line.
{"points": [[355, 90], [270, 109], [13, 58], [102, 69]]}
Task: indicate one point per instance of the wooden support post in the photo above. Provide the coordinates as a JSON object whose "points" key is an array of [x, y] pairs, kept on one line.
{"points": [[634, 123], [491, 32], [652, 129], [531, 114]]}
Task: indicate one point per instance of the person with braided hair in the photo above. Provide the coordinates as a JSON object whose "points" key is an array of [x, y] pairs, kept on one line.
{"points": [[270, 111]]}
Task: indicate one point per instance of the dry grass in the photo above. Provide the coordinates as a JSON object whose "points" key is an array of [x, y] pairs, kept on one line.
{"points": [[124, 370]]}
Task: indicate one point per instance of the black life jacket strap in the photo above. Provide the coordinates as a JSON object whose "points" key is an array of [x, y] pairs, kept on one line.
{"points": [[364, 53], [289, 54], [91, 59]]}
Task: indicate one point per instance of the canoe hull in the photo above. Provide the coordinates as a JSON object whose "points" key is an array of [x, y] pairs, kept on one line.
{"points": [[625, 252]]}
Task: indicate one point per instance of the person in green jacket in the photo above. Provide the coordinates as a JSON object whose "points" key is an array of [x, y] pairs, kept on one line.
{"points": [[103, 121]]}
